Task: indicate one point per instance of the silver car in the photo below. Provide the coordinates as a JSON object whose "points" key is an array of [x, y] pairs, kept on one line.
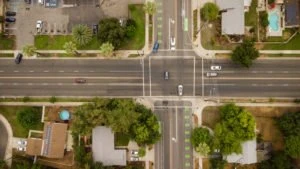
{"points": [[180, 90], [215, 67], [211, 74]]}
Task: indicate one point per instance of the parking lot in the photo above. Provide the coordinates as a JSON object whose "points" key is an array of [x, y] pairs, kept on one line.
{"points": [[61, 19]]}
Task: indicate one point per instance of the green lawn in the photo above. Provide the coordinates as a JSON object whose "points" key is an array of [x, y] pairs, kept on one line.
{"points": [[251, 16], [57, 42], [136, 13], [7, 42], [10, 113], [6, 55], [294, 44], [121, 139]]}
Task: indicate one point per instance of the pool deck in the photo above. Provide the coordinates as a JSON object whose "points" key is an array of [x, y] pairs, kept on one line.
{"points": [[272, 32]]}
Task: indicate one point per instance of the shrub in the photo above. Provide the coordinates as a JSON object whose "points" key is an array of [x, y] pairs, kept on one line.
{"points": [[142, 152], [53, 99], [26, 99], [29, 117]]}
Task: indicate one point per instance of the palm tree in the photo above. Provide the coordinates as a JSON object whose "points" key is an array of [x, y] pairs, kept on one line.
{"points": [[150, 8], [82, 34], [29, 50], [70, 48], [107, 49]]}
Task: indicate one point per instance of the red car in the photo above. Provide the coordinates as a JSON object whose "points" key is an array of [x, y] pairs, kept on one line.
{"points": [[80, 80]]}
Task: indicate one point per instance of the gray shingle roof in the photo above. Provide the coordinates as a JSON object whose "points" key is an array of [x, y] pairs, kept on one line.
{"points": [[233, 20], [292, 12]]}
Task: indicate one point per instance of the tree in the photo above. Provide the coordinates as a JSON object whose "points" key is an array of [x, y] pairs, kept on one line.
{"points": [[29, 117], [278, 160], [29, 50], [245, 53], [150, 8], [82, 34], [203, 149], [130, 28], [292, 146], [146, 128], [70, 48], [289, 124], [264, 21], [3, 164], [107, 49], [111, 31], [209, 11], [142, 152], [52, 99], [200, 135]]}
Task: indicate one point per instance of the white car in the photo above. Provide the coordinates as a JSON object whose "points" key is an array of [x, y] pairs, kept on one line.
{"points": [[39, 26], [172, 44], [211, 74], [215, 67], [135, 152], [134, 159], [21, 148], [180, 90]]}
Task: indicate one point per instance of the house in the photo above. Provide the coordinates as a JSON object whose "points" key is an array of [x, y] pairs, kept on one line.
{"points": [[233, 19], [292, 13], [53, 143], [103, 148], [248, 155]]}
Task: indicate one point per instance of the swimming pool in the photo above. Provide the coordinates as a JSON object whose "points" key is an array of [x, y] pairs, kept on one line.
{"points": [[274, 21]]}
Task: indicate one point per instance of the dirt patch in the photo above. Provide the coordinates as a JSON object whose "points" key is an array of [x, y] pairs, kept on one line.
{"points": [[205, 163], [52, 113], [210, 116]]}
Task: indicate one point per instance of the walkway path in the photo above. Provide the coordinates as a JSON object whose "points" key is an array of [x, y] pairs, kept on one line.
{"points": [[8, 151]]}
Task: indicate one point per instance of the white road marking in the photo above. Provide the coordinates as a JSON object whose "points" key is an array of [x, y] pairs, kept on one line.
{"points": [[1, 71], [61, 71], [254, 84], [16, 71], [124, 71], [194, 82], [45, 84], [46, 71], [254, 72], [285, 71], [270, 71], [270, 84], [59, 84], [39, 77], [31, 71], [256, 78], [143, 67], [150, 75], [30, 84], [15, 84], [286, 85], [76, 71], [91, 71]]}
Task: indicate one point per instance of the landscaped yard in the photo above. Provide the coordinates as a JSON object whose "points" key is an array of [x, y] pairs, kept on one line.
{"points": [[57, 42], [7, 42], [265, 121], [294, 44], [10, 113], [121, 139], [251, 16], [137, 42]]}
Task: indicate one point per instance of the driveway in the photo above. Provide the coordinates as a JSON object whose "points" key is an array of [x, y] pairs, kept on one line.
{"points": [[3, 140]]}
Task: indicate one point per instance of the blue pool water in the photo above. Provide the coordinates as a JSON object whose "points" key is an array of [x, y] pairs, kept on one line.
{"points": [[273, 21], [64, 115]]}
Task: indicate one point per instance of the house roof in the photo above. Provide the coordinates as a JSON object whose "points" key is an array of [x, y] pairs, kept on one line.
{"points": [[34, 146], [248, 155], [292, 12], [233, 20], [103, 148], [55, 135]]}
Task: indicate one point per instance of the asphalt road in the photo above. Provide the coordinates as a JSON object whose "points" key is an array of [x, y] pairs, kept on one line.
{"points": [[266, 78], [3, 140], [174, 149]]}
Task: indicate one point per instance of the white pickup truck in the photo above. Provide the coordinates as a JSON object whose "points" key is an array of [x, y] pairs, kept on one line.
{"points": [[39, 26]]}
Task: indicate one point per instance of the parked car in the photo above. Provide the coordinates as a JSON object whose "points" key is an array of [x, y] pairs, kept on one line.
{"points": [[215, 67], [80, 80], [172, 44], [18, 59], [180, 90], [28, 1], [134, 159], [134, 152], [211, 74], [41, 2], [10, 19], [10, 13], [39, 26], [21, 148], [166, 75], [95, 29]]}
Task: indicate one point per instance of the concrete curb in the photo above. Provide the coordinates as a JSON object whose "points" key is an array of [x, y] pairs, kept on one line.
{"points": [[8, 152]]}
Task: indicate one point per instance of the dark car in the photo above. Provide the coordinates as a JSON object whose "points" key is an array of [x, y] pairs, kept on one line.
{"points": [[95, 29], [18, 59], [28, 1], [80, 80], [10, 13], [10, 19], [155, 47]]}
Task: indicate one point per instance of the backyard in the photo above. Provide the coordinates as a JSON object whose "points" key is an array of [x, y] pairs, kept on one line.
{"points": [[265, 121], [10, 113]]}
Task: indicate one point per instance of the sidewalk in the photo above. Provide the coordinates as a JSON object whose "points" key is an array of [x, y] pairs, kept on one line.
{"points": [[9, 146]]}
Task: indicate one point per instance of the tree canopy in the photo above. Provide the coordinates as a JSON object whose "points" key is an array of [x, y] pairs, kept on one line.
{"points": [[245, 53], [29, 50], [107, 49], [237, 125], [209, 11], [82, 34], [29, 117], [150, 7], [292, 146], [278, 160], [289, 124], [200, 135], [70, 48], [264, 21]]}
